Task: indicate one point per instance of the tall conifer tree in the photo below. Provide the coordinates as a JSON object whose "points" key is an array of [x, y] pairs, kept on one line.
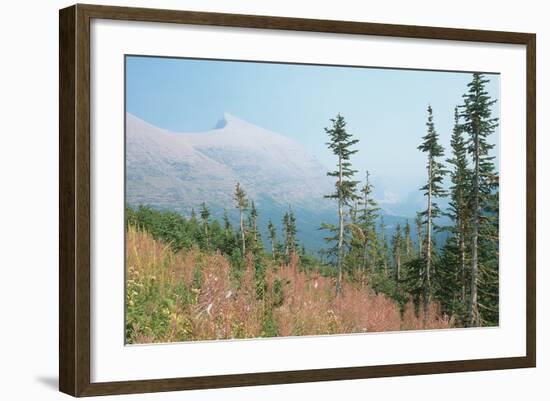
{"points": [[459, 209], [383, 254], [408, 241], [479, 124], [432, 190], [419, 234], [341, 144], [397, 249], [272, 231], [368, 214], [254, 234], [242, 205], [289, 231], [205, 215]]}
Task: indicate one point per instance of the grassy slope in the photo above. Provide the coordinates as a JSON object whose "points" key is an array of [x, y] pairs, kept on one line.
{"points": [[191, 295]]}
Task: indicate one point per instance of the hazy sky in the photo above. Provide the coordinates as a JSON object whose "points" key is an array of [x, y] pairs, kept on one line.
{"points": [[384, 108]]}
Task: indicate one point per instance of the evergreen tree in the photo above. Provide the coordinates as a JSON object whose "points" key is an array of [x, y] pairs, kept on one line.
{"points": [[432, 190], [254, 235], [478, 125], [368, 215], [228, 229], [272, 232], [383, 254], [242, 205], [289, 231], [419, 234], [458, 210], [448, 277], [353, 258], [341, 143], [205, 215], [228, 241], [397, 249], [408, 241]]}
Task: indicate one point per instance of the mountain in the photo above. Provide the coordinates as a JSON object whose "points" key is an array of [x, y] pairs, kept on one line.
{"points": [[180, 170]]}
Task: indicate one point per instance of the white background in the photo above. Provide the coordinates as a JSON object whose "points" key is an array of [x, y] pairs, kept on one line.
{"points": [[112, 361], [28, 201]]}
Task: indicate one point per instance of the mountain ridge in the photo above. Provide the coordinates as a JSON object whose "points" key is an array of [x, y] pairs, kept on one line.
{"points": [[195, 167], [181, 170]]}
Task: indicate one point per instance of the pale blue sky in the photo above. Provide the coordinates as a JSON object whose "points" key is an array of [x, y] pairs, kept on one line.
{"points": [[385, 108]]}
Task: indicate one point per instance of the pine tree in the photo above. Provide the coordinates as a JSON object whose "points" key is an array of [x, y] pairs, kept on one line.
{"points": [[242, 205], [397, 249], [368, 214], [432, 190], [254, 235], [290, 232], [408, 241], [353, 258], [419, 234], [458, 210], [341, 143], [205, 215], [227, 228], [383, 247], [272, 232], [479, 125]]}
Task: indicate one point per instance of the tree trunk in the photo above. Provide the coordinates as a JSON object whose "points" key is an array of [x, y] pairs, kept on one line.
{"points": [[398, 267], [206, 235], [420, 239], [462, 264], [365, 254], [340, 228], [242, 231], [427, 283], [366, 231], [473, 314]]}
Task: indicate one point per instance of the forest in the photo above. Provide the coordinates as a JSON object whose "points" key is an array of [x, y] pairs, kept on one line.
{"points": [[198, 278]]}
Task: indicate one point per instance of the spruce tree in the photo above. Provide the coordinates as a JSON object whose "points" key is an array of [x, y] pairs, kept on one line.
{"points": [[458, 210], [254, 235], [289, 232], [432, 190], [383, 254], [368, 214], [205, 215], [242, 205], [353, 258], [227, 228], [419, 234], [341, 143], [272, 232], [397, 249], [479, 125], [408, 241]]}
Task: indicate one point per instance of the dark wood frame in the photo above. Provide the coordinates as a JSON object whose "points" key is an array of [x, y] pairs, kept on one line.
{"points": [[74, 199]]}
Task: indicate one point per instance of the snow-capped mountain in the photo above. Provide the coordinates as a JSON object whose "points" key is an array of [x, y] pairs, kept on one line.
{"points": [[182, 170]]}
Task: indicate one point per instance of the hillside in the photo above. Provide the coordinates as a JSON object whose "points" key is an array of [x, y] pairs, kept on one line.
{"points": [[182, 170], [199, 295], [179, 171]]}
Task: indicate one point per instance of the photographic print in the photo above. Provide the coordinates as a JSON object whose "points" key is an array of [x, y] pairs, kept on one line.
{"points": [[269, 199]]}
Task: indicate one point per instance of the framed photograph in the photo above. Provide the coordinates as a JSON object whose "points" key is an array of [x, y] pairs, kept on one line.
{"points": [[250, 200]]}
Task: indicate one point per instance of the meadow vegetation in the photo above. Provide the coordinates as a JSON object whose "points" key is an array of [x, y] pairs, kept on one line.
{"points": [[192, 294]]}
